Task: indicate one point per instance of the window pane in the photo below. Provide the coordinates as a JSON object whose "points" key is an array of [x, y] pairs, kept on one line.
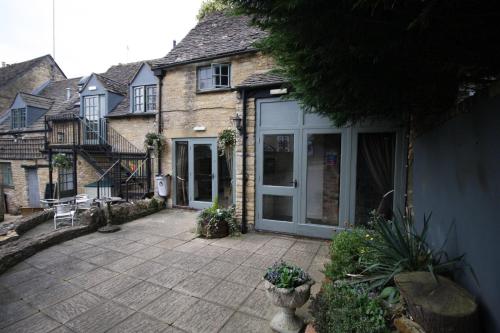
{"points": [[278, 160], [151, 98], [7, 174], [205, 78], [202, 160], [277, 207], [323, 179], [374, 175], [138, 99]]}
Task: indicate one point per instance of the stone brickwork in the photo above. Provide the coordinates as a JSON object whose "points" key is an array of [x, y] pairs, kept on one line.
{"points": [[183, 108], [28, 81], [86, 174], [134, 129]]}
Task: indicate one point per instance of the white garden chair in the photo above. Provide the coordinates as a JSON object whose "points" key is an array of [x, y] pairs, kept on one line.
{"points": [[83, 202], [63, 213]]}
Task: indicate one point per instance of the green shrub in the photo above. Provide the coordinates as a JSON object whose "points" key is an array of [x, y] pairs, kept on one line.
{"points": [[154, 204], [284, 275], [212, 219], [343, 308], [349, 253]]}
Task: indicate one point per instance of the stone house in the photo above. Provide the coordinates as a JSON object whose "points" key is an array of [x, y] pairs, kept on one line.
{"points": [[291, 171], [26, 76], [94, 123]]}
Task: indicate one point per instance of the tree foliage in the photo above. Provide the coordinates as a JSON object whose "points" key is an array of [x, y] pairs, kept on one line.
{"points": [[210, 6], [351, 59]]}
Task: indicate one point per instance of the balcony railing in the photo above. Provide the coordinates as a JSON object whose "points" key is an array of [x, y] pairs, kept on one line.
{"points": [[22, 149]]}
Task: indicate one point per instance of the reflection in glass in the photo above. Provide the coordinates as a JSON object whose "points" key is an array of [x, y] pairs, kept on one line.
{"points": [[277, 207], [202, 172], [278, 160], [374, 175], [181, 172], [323, 179]]}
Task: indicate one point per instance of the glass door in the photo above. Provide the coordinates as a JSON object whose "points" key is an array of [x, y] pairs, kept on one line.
{"points": [[278, 181], [203, 172], [92, 117]]}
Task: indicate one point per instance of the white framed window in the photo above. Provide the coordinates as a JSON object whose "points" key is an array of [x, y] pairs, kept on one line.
{"points": [[6, 169], [18, 118], [144, 98], [215, 76]]}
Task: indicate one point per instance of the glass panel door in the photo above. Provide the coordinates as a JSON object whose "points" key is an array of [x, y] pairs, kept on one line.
{"points": [[91, 114], [277, 181], [203, 172], [181, 179]]}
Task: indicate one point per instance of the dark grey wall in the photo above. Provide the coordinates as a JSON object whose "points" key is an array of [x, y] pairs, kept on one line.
{"points": [[33, 114], [457, 178]]}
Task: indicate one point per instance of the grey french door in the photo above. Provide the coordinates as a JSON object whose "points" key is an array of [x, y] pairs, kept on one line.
{"points": [[278, 179], [33, 187], [195, 179], [94, 124]]}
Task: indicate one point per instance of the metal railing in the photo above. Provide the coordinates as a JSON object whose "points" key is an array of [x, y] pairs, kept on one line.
{"points": [[139, 182], [22, 149], [106, 184]]}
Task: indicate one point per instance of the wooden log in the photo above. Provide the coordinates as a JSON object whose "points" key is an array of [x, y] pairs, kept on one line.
{"points": [[438, 304]]}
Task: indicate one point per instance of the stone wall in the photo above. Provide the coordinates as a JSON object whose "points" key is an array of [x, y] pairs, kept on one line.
{"points": [[27, 82], [134, 129], [86, 174], [183, 108]]}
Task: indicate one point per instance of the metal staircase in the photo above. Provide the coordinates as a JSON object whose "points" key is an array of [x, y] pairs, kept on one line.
{"points": [[124, 170]]}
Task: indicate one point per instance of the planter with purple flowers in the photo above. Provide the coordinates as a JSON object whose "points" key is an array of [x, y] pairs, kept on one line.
{"points": [[288, 287]]}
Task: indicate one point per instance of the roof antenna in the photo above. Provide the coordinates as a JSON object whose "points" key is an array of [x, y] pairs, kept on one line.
{"points": [[54, 29]]}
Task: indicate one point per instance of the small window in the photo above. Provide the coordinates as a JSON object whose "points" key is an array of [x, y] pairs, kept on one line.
{"points": [[6, 170], [66, 179], [215, 76], [144, 99], [139, 99], [18, 117]]}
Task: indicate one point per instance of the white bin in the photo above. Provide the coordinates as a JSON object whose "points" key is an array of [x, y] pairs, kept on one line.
{"points": [[162, 185]]}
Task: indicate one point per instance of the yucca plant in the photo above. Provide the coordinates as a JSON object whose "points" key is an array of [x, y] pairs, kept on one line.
{"points": [[399, 247]]}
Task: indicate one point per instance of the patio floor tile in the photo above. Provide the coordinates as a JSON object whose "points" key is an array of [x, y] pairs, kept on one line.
{"points": [[149, 252], [271, 250], [170, 243], [36, 285], [169, 307], [115, 286], [211, 251], [73, 307], [203, 317], [145, 270], [140, 323], [90, 252], [12, 278], [259, 261], [299, 258], [170, 257], [125, 264], [53, 295], [36, 323], [218, 269], [191, 263], [197, 285], [229, 294], [247, 276], [71, 268], [100, 319], [311, 247], [92, 278], [190, 247], [259, 305], [282, 242], [140, 295], [14, 311], [170, 277], [243, 323], [106, 258], [234, 256]]}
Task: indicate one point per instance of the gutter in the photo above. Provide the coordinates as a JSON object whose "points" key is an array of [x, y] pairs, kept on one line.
{"points": [[244, 228]]}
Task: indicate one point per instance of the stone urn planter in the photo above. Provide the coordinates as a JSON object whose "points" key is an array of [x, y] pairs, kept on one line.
{"points": [[288, 300]]}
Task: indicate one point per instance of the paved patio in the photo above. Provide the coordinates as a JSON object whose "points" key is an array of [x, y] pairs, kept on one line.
{"points": [[152, 276]]}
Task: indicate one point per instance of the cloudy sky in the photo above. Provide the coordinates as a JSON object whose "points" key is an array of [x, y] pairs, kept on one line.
{"points": [[92, 35]]}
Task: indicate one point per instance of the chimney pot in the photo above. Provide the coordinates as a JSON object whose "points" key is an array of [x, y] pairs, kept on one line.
{"points": [[4, 64], [175, 43]]}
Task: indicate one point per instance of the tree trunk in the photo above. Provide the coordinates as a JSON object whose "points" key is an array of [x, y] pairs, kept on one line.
{"points": [[440, 306]]}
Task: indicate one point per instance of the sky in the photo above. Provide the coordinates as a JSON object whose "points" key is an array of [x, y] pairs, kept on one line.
{"points": [[92, 35]]}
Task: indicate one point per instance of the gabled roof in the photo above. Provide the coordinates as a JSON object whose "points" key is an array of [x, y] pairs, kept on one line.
{"points": [[262, 79], [123, 73], [109, 84], [216, 35], [36, 101], [13, 71]]}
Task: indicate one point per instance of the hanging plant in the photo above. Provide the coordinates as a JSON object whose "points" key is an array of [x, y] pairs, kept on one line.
{"points": [[61, 161], [154, 141], [226, 140]]}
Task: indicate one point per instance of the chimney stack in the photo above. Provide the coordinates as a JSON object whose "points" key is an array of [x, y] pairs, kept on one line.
{"points": [[68, 93], [4, 64], [175, 43]]}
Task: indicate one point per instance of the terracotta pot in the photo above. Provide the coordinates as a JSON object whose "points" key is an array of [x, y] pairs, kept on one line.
{"points": [[288, 300]]}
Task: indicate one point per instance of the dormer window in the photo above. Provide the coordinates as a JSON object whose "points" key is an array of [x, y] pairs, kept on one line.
{"points": [[144, 98], [18, 117], [215, 76]]}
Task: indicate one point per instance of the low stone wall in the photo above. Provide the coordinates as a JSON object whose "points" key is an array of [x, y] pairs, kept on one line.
{"points": [[129, 211], [16, 251], [11, 231]]}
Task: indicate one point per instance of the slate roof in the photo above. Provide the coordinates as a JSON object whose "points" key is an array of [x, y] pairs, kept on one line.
{"points": [[37, 101], [216, 35], [123, 73], [262, 79], [53, 93], [112, 85], [12, 71]]}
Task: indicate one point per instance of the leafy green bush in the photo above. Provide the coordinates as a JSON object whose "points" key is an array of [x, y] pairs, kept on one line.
{"points": [[349, 253], [214, 219], [154, 204], [284, 275], [344, 308]]}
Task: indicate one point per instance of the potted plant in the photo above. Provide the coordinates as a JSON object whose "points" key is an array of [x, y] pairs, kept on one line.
{"points": [[288, 287], [226, 141], [154, 141], [61, 161], [216, 222]]}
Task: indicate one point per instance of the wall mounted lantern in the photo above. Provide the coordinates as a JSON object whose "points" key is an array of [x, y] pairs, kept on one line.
{"points": [[237, 122]]}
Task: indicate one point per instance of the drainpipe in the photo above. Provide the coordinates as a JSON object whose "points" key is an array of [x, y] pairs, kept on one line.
{"points": [[244, 228], [160, 74]]}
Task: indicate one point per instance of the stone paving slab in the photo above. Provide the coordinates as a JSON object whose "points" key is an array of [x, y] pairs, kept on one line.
{"points": [[152, 276]]}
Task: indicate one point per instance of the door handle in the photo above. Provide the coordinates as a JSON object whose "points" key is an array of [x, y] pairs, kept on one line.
{"points": [[294, 182]]}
